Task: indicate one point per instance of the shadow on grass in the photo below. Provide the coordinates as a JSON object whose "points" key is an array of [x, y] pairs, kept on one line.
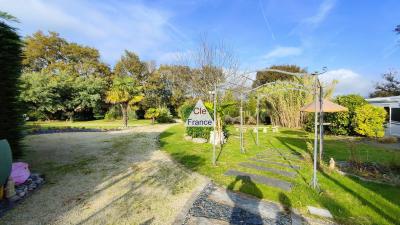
{"points": [[192, 162], [290, 163], [337, 210], [391, 193], [364, 201], [293, 132], [288, 142], [163, 135], [219, 153], [249, 187]]}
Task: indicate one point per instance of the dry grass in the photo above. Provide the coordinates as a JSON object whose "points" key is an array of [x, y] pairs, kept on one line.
{"points": [[104, 178]]}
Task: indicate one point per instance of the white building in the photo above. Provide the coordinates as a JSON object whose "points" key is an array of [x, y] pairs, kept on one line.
{"points": [[392, 105]]}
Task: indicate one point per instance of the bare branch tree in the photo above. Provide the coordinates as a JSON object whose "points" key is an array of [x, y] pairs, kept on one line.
{"points": [[211, 64]]}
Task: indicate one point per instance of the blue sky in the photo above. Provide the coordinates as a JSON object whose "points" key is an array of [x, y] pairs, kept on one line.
{"points": [[354, 39]]}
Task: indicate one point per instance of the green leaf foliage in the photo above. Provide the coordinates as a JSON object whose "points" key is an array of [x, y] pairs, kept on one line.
{"points": [[130, 65], [10, 70], [342, 123], [165, 115], [369, 121], [263, 77], [125, 91], [152, 113], [8, 17], [54, 55], [46, 95]]}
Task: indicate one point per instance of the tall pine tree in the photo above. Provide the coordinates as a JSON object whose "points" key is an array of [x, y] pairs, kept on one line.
{"points": [[10, 70]]}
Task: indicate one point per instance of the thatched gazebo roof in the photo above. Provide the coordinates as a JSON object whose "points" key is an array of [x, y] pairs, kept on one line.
{"points": [[327, 106]]}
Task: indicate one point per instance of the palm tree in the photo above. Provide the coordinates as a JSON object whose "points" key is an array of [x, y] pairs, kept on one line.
{"points": [[124, 91], [152, 114]]}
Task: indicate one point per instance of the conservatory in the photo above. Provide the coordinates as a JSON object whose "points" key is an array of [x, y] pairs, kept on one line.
{"points": [[392, 106]]}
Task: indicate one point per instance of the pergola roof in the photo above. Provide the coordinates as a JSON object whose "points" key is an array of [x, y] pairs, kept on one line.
{"points": [[327, 106], [392, 101]]}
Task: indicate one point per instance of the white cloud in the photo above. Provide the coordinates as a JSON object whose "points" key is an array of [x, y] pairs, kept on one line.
{"points": [[283, 51], [349, 82], [307, 25], [110, 27], [323, 11]]}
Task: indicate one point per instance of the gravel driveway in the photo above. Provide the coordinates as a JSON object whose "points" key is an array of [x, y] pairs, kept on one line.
{"points": [[117, 177]]}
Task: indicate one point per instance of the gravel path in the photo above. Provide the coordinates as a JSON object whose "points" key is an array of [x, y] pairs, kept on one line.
{"points": [[217, 206], [116, 177]]}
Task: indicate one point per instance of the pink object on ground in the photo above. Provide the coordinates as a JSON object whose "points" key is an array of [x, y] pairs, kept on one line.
{"points": [[20, 172]]}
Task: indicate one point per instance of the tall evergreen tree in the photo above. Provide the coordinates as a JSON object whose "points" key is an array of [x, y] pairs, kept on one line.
{"points": [[10, 70]]}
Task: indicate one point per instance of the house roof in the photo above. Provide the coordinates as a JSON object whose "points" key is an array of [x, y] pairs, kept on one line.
{"points": [[392, 101]]}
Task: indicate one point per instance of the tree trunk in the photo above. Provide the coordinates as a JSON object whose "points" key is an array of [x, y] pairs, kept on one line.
{"points": [[124, 109], [219, 131], [70, 116], [152, 120]]}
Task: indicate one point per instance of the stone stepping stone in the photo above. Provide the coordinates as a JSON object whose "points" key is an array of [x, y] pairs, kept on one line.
{"points": [[276, 163], [287, 155], [278, 158], [284, 185], [273, 153], [251, 204], [272, 170], [319, 212]]}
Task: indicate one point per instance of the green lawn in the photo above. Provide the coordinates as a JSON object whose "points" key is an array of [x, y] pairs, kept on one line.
{"points": [[350, 200], [93, 124]]}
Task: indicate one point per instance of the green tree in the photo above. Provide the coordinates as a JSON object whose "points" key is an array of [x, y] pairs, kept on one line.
{"points": [[125, 91], [130, 65], [342, 123], [152, 113], [10, 70], [74, 78], [39, 93], [81, 93], [263, 77], [54, 55], [156, 92], [46, 95], [283, 101], [389, 87], [228, 97], [370, 120], [177, 80]]}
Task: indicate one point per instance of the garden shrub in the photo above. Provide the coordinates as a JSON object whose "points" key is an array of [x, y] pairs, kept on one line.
{"points": [[152, 113], [113, 113], [229, 120], [251, 120], [236, 120], [164, 115], [342, 123], [131, 113], [185, 110], [369, 121], [309, 122]]}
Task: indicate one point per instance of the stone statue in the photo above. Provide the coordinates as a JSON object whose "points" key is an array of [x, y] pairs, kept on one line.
{"points": [[332, 164]]}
